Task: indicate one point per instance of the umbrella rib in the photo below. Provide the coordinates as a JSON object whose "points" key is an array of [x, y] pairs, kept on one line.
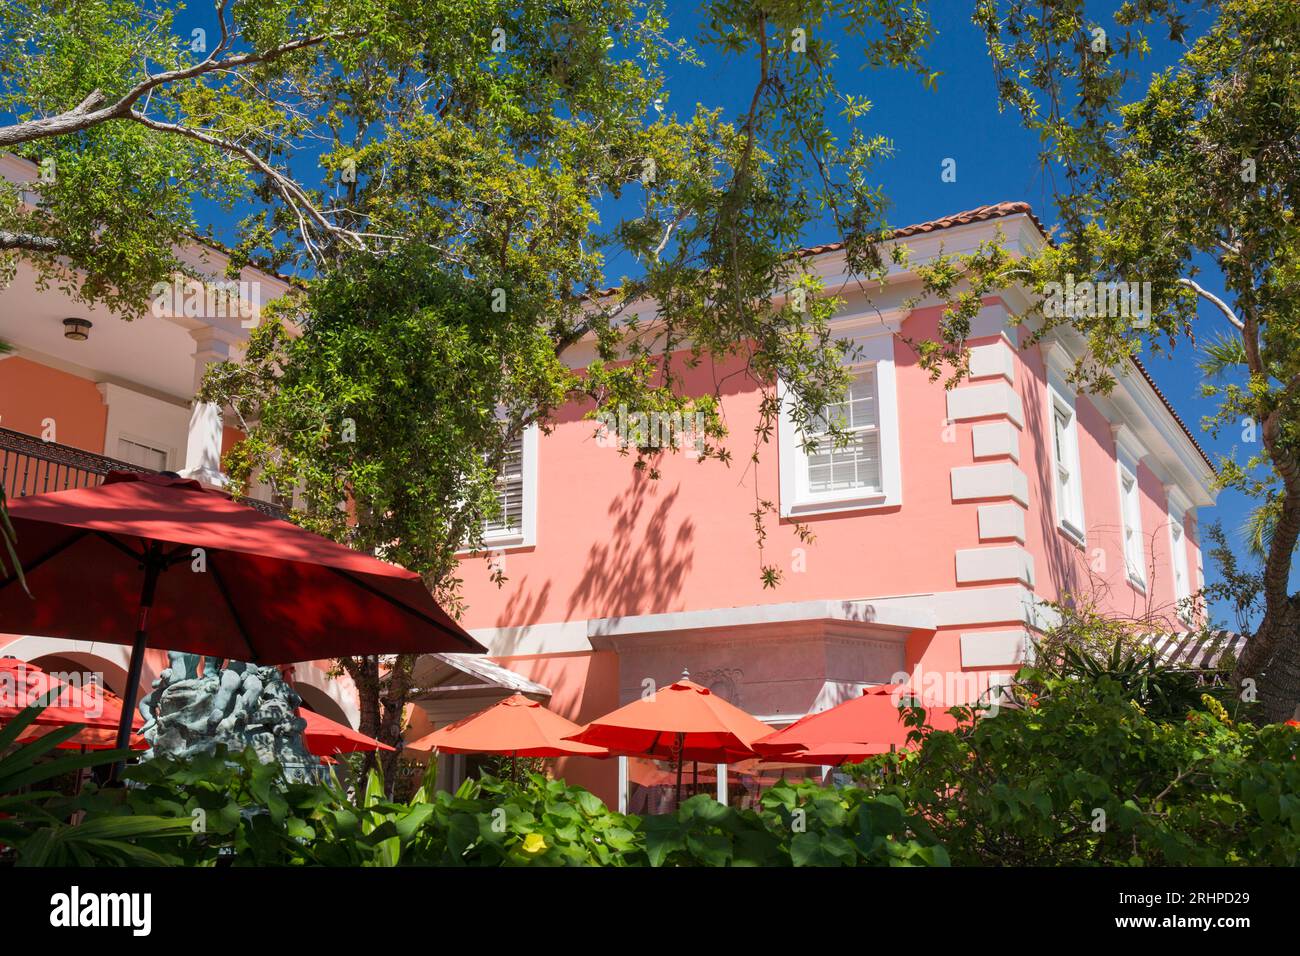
{"points": [[239, 624], [414, 612], [176, 556], [140, 556], [52, 553]]}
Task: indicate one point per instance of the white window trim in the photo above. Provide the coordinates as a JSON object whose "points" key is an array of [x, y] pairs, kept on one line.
{"points": [[167, 449], [1131, 524], [526, 536], [796, 500], [145, 420], [1070, 522], [1178, 562]]}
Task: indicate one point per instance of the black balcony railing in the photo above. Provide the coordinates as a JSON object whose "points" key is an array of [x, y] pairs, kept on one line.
{"points": [[30, 466]]}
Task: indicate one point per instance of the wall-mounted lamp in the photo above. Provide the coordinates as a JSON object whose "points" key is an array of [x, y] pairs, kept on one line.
{"points": [[76, 329]]}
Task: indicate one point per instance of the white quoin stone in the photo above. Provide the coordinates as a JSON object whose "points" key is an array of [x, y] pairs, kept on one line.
{"points": [[996, 649], [995, 440], [1008, 563], [1000, 479], [994, 359], [985, 401], [1002, 521]]}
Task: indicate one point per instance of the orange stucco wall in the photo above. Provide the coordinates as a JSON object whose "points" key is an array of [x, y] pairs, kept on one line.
{"points": [[611, 541], [31, 393]]}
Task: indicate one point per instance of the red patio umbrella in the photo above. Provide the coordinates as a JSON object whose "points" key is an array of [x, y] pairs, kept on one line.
{"points": [[513, 727], [325, 737], [681, 722], [833, 754], [90, 738], [93, 706], [160, 561], [23, 684], [854, 730]]}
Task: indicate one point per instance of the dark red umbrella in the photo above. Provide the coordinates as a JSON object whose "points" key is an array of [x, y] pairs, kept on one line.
{"points": [[160, 561]]}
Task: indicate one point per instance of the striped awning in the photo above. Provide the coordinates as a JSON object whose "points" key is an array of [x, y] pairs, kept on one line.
{"points": [[1196, 650]]}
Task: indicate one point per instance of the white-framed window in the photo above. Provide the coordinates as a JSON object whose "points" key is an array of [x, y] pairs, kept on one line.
{"points": [[140, 453], [820, 476], [517, 492], [853, 467], [1066, 473], [1130, 511], [1178, 563]]}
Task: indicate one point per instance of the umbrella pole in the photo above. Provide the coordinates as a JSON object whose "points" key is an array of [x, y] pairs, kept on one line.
{"points": [[680, 742], [153, 565]]}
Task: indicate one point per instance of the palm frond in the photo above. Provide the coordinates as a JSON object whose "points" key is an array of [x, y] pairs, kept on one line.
{"points": [[1225, 353], [1257, 531]]}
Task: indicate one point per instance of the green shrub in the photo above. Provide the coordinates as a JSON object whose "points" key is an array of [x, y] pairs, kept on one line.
{"points": [[800, 824], [1083, 775], [42, 827], [230, 809]]}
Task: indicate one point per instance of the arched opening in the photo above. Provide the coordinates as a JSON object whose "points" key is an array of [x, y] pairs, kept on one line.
{"points": [[96, 657], [315, 699], [76, 662]]}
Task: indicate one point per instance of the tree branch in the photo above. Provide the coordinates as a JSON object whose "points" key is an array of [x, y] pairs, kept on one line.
{"points": [[27, 241], [290, 191], [90, 112], [1216, 301]]}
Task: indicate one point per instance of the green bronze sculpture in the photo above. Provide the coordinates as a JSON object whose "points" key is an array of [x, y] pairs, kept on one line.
{"points": [[197, 704]]}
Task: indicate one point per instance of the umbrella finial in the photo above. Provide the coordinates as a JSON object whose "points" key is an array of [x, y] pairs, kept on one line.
{"points": [[686, 675]]}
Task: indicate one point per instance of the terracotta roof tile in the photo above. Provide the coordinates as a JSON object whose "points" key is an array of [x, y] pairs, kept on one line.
{"points": [[980, 214]]}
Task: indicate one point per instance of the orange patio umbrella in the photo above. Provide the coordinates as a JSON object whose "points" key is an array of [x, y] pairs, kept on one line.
{"points": [[681, 722], [325, 737], [856, 729], [514, 727]]}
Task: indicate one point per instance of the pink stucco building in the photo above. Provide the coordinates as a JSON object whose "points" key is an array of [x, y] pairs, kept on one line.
{"points": [[940, 530]]}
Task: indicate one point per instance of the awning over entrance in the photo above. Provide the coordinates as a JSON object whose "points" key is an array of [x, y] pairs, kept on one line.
{"points": [[1196, 650], [454, 685]]}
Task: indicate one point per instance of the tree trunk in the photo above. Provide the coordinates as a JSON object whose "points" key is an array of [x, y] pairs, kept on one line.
{"points": [[395, 698], [1272, 655], [364, 672], [1279, 677]]}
